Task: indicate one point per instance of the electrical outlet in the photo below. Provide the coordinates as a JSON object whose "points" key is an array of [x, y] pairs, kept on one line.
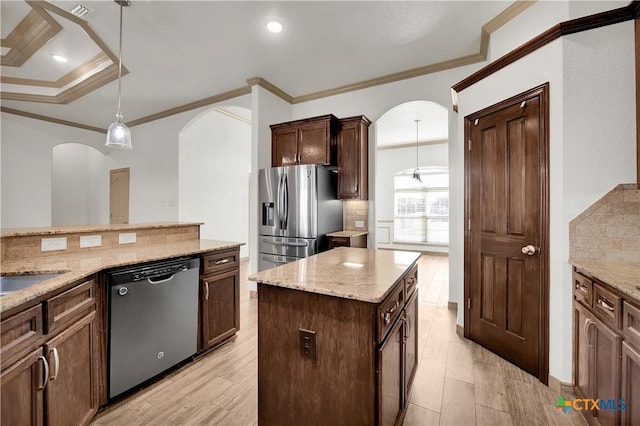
{"points": [[359, 223], [127, 238], [90, 241], [52, 244], [307, 344]]}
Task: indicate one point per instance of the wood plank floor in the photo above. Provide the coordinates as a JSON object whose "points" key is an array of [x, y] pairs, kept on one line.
{"points": [[457, 383]]}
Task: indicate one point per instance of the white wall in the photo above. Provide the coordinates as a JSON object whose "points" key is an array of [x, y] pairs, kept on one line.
{"points": [[592, 141], [80, 185], [213, 177]]}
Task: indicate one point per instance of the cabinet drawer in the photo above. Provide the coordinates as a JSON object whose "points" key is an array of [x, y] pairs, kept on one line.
{"points": [[20, 334], [582, 288], [63, 310], [389, 310], [411, 282], [219, 262], [631, 323], [607, 305]]}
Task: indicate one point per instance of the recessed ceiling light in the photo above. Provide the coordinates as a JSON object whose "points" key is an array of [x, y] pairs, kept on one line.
{"points": [[59, 58], [275, 26]]}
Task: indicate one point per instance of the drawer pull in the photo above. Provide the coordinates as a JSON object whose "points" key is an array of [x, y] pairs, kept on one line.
{"points": [[46, 372], [221, 262], [56, 364], [582, 288], [605, 304], [387, 315]]}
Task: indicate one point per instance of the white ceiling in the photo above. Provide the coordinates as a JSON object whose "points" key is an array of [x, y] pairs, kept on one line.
{"points": [[179, 52]]}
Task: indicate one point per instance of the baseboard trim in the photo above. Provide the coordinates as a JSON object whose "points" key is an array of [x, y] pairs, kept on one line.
{"points": [[460, 330], [561, 388], [253, 294], [453, 306]]}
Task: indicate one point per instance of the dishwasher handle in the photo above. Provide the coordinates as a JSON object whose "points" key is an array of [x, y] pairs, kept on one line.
{"points": [[163, 279]]}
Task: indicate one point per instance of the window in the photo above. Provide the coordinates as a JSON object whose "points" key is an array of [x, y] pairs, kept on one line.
{"points": [[422, 208]]}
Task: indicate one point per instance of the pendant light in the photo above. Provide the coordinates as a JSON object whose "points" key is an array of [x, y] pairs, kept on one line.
{"points": [[416, 172], [118, 134]]}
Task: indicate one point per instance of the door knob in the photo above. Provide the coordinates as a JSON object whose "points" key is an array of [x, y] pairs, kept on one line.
{"points": [[529, 250]]}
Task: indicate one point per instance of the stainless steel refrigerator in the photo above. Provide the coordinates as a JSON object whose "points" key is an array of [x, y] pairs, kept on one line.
{"points": [[299, 206]]}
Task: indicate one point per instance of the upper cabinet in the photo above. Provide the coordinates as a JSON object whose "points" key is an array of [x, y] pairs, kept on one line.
{"points": [[307, 141], [353, 158]]}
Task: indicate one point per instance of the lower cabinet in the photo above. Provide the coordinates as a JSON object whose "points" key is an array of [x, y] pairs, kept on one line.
{"points": [[630, 385], [54, 384], [220, 314]]}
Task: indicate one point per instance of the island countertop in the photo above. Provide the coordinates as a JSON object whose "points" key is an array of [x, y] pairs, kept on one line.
{"points": [[352, 273], [76, 266]]}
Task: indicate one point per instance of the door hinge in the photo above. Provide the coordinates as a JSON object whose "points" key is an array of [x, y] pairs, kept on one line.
{"points": [[469, 303], [469, 224], [469, 145]]}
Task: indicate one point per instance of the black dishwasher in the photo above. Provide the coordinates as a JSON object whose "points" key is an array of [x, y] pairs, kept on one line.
{"points": [[153, 320]]}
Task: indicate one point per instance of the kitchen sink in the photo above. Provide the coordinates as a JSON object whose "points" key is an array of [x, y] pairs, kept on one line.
{"points": [[9, 283]]}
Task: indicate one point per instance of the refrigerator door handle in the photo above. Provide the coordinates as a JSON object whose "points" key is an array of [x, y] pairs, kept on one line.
{"points": [[280, 202], [286, 202], [277, 243]]}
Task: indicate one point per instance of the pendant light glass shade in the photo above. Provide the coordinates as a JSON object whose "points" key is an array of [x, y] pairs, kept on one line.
{"points": [[118, 134]]}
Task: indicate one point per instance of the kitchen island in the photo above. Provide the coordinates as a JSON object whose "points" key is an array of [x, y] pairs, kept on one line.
{"points": [[337, 338]]}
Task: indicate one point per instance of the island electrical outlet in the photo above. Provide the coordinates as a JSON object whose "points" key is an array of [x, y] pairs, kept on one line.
{"points": [[307, 344]]}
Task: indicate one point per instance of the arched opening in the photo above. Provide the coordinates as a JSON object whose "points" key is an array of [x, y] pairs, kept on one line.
{"points": [[214, 172], [79, 185], [410, 213]]}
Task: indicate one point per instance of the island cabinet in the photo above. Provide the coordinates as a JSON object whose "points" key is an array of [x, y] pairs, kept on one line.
{"points": [[306, 141], [48, 360], [606, 346], [339, 358], [353, 158], [219, 297]]}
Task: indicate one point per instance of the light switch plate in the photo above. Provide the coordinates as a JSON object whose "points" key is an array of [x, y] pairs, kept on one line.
{"points": [[359, 223], [90, 241], [127, 238], [52, 244]]}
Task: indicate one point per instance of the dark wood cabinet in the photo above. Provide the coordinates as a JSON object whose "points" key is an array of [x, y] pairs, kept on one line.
{"points": [[411, 343], [605, 367], [55, 383], [306, 141], [219, 298], [353, 158], [334, 241], [390, 377]]}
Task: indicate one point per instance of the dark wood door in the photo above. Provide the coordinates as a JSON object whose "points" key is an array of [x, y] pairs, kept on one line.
{"points": [[21, 387], [411, 343], [284, 151], [582, 349], [630, 385], [606, 369], [220, 313], [70, 397], [314, 143], [390, 377], [506, 215]]}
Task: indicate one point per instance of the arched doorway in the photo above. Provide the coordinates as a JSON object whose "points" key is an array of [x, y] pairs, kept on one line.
{"points": [[398, 154], [214, 169]]}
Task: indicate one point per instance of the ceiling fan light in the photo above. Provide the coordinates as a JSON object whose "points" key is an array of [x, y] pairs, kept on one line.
{"points": [[118, 134]]}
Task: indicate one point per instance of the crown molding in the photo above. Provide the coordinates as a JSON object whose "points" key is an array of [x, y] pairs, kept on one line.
{"points": [[412, 145], [259, 81], [35, 30], [51, 119]]}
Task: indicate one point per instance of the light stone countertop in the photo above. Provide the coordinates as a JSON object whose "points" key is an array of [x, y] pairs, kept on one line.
{"points": [[80, 265], [351, 273], [71, 229], [622, 276], [347, 234]]}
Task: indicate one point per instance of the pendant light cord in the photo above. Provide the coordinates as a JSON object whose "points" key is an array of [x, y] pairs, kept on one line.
{"points": [[417, 162], [120, 65]]}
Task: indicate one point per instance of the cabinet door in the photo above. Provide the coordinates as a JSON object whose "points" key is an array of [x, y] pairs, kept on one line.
{"points": [[411, 343], [390, 377], [314, 143], [284, 151], [607, 348], [220, 307], [630, 385], [582, 349], [21, 390], [349, 185], [70, 393]]}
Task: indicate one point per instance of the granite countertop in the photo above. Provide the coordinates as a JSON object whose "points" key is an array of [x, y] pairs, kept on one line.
{"points": [[351, 273], [347, 234], [72, 229], [622, 276], [77, 266]]}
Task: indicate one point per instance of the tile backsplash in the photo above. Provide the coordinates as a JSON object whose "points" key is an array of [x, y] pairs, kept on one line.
{"points": [[355, 210], [609, 230]]}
